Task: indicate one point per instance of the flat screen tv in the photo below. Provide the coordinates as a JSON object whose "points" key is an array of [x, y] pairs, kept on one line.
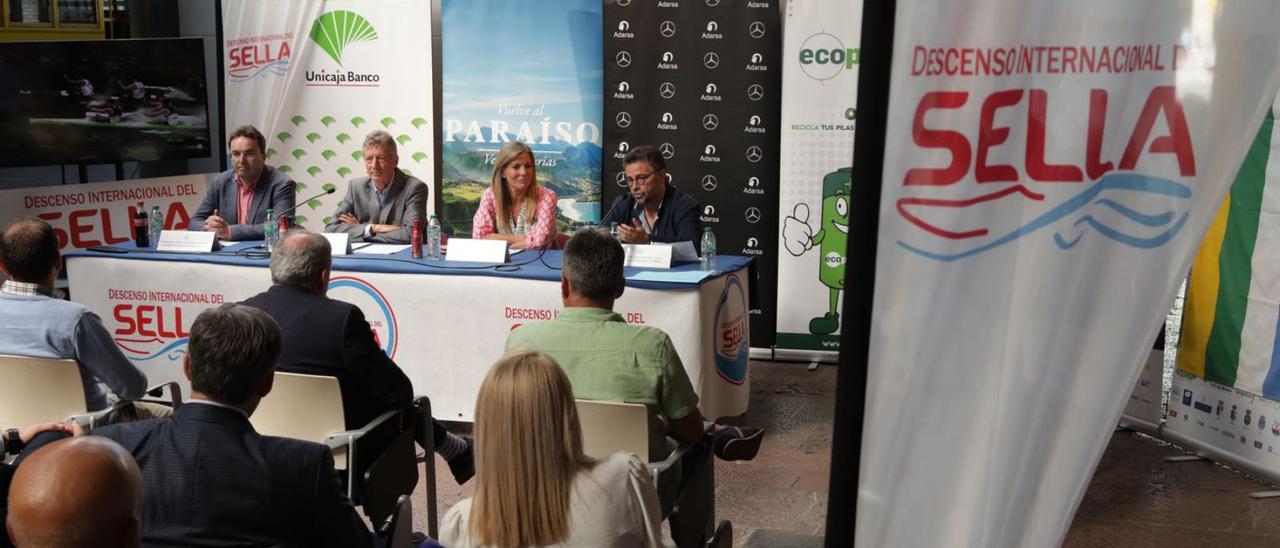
{"points": [[102, 101]]}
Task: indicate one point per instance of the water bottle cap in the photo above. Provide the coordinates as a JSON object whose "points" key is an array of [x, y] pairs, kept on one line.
{"points": [[706, 229]]}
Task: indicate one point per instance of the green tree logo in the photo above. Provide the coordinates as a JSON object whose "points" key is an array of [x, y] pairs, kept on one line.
{"points": [[334, 30]]}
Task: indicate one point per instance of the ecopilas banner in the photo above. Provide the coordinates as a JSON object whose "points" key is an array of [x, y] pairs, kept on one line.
{"points": [[819, 91], [1050, 169], [318, 76]]}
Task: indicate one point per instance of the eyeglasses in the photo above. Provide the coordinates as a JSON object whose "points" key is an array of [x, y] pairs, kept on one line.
{"points": [[639, 178]]}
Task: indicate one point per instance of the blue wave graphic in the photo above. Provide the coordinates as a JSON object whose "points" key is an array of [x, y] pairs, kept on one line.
{"points": [[278, 68], [1112, 181], [172, 351]]}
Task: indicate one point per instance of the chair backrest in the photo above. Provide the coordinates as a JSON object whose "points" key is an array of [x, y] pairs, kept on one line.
{"points": [[609, 427], [304, 407], [39, 390], [398, 528]]}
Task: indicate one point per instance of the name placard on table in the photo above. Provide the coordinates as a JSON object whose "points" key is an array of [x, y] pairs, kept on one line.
{"points": [[655, 255], [182, 241], [476, 251], [339, 242]]}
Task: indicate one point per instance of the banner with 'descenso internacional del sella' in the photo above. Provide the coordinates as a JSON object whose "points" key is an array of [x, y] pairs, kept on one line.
{"points": [[1050, 169]]}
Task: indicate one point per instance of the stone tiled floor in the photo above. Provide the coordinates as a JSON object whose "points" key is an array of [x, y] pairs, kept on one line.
{"points": [[1135, 500]]}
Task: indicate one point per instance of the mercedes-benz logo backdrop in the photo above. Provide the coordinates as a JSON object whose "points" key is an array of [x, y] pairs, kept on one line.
{"points": [[726, 108], [710, 122], [667, 90]]}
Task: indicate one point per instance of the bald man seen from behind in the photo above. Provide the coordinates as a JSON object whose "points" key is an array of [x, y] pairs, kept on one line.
{"points": [[79, 492]]}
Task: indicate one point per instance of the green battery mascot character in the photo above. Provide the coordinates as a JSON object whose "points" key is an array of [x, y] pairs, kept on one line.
{"points": [[831, 238]]}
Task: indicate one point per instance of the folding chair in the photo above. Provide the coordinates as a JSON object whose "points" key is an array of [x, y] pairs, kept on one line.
{"points": [[398, 527], [609, 427], [36, 390], [309, 407]]}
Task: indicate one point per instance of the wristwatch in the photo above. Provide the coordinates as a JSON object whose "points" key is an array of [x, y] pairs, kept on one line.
{"points": [[13, 441]]}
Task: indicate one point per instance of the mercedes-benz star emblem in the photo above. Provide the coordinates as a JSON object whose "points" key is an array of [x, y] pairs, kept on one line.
{"points": [[754, 154], [667, 90], [756, 29], [709, 183], [710, 122], [622, 178], [667, 150], [755, 92], [623, 58], [753, 215], [711, 60], [668, 29], [624, 119]]}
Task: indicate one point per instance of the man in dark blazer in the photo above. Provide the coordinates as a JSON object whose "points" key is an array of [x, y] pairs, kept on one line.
{"points": [[208, 479], [654, 210], [236, 202], [323, 336], [383, 206]]}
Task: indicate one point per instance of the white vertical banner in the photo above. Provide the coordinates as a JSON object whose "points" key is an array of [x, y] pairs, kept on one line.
{"points": [[354, 67], [259, 40], [1050, 168], [819, 90]]}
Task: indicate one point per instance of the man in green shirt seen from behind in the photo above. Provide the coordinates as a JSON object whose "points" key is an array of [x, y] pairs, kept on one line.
{"points": [[608, 359]]}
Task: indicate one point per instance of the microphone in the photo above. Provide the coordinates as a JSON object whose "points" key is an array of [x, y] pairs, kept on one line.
{"points": [[614, 207], [299, 204]]}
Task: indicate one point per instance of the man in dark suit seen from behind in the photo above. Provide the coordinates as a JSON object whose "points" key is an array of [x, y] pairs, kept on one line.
{"points": [[236, 202], [208, 479], [383, 206], [323, 336]]}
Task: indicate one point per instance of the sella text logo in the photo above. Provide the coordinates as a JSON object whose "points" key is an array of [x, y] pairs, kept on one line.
{"points": [[732, 332], [154, 324], [253, 56], [377, 310], [149, 332], [996, 204]]}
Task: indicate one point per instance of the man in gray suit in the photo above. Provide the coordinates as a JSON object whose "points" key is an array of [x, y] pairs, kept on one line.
{"points": [[236, 203], [383, 206]]}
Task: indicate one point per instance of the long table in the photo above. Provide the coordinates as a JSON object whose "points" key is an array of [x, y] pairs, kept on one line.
{"points": [[443, 322]]}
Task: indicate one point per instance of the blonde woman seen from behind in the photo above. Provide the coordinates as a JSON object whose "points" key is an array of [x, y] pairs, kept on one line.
{"points": [[534, 486]]}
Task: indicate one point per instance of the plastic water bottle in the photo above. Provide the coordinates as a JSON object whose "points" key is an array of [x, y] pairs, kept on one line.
{"points": [[271, 231], [433, 238], [416, 241], [140, 234], [157, 225], [708, 249], [613, 231]]}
